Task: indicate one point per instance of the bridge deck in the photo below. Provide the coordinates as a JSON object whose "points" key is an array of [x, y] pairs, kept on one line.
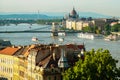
{"points": [[37, 31]]}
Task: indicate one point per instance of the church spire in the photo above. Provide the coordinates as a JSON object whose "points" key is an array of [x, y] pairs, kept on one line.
{"points": [[63, 62]]}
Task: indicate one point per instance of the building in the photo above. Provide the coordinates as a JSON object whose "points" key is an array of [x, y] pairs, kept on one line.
{"points": [[8, 63], [13, 62], [46, 62], [113, 23], [38, 62], [73, 14], [72, 21]]}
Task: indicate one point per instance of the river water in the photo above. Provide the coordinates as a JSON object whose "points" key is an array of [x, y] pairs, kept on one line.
{"points": [[25, 38]]}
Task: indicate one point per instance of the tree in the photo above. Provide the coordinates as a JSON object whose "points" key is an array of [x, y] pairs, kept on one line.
{"points": [[97, 65], [88, 29], [115, 28], [96, 30], [107, 29]]}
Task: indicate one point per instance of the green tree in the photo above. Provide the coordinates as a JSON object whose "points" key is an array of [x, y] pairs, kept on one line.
{"points": [[88, 29], [97, 65], [107, 29], [115, 28], [96, 30]]}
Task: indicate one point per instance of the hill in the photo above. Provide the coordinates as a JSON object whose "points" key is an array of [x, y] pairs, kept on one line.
{"points": [[48, 15]]}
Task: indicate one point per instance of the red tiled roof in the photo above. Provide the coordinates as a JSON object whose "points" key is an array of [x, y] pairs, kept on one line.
{"points": [[80, 46], [9, 50], [26, 52], [75, 47]]}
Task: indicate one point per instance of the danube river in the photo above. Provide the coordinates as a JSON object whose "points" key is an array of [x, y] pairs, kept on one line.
{"points": [[25, 38]]}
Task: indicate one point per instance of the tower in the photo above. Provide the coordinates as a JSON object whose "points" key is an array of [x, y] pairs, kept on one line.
{"points": [[73, 14], [63, 62], [54, 30]]}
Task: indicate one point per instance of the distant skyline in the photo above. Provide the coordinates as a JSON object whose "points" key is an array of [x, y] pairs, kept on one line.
{"points": [[106, 7]]}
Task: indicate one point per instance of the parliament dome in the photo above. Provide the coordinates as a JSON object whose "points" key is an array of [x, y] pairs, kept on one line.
{"points": [[73, 12]]}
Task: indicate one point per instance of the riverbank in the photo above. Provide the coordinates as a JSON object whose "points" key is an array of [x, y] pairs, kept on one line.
{"points": [[45, 38]]}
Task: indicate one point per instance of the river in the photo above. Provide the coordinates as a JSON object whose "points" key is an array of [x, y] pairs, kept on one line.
{"points": [[25, 38]]}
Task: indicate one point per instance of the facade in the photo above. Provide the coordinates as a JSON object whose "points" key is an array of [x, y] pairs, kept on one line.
{"points": [[5, 70], [78, 25], [47, 62], [38, 62], [74, 22], [13, 63], [100, 23]]}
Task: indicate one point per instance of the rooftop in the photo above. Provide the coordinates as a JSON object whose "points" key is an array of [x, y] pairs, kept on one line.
{"points": [[9, 50]]}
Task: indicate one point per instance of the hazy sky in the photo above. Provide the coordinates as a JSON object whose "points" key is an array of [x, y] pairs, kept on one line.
{"points": [[107, 7]]}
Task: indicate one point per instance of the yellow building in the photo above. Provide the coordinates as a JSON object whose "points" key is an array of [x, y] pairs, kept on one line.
{"points": [[74, 25], [78, 25], [6, 66], [74, 22], [13, 65], [7, 63], [68, 24], [22, 68], [16, 68], [37, 62]]}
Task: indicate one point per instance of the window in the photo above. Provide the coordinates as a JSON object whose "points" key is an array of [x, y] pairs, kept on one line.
{"points": [[22, 73], [40, 78], [49, 78], [55, 78]]}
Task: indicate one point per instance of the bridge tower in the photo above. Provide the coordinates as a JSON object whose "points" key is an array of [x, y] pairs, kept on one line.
{"points": [[54, 30]]}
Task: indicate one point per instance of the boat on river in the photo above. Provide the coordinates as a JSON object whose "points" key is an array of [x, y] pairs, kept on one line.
{"points": [[61, 34], [89, 36], [61, 39], [112, 38], [34, 39]]}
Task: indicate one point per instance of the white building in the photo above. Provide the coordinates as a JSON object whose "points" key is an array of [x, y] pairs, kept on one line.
{"points": [[73, 21]]}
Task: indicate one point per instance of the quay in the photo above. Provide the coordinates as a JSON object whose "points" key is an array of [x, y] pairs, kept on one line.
{"points": [[37, 31]]}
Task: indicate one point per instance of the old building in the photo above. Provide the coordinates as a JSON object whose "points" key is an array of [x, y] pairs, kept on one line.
{"points": [[46, 62], [13, 62], [72, 21], [38, 62]]}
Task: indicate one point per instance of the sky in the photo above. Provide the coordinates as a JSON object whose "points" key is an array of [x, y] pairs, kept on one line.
{"points": [[106, 7]]}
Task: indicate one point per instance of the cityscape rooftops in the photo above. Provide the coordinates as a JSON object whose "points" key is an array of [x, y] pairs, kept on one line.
{"points": [[9, 50]]}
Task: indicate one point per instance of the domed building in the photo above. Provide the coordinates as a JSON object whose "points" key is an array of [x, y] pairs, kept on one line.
{"points": [[73, 14], [72, 21]]}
